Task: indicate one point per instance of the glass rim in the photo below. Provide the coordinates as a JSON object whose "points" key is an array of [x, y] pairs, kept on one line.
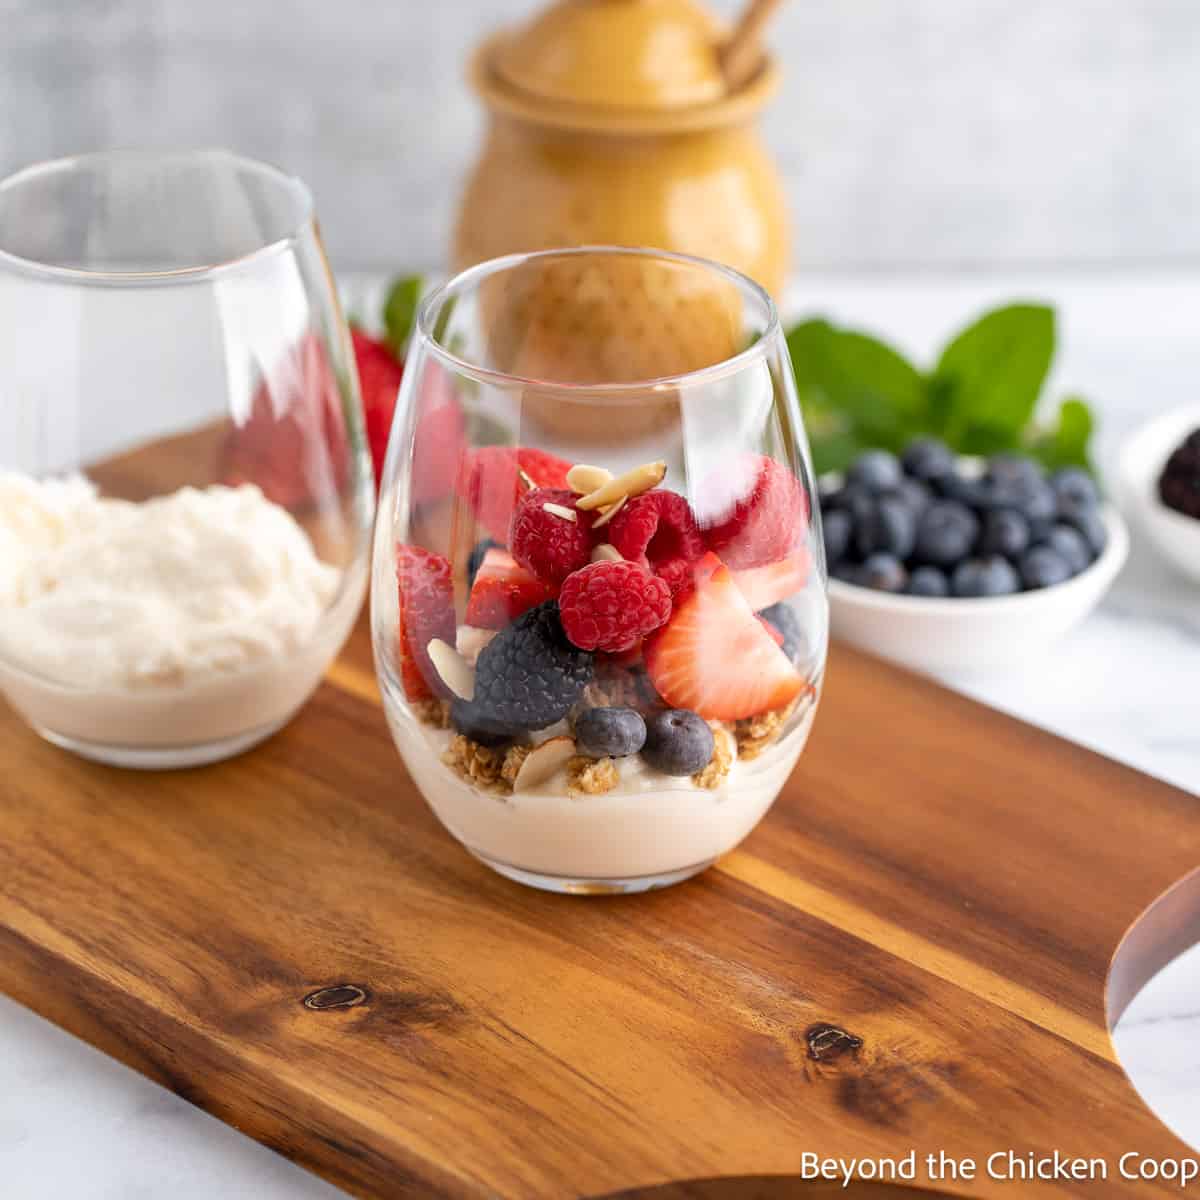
{"points": [[299, 190], [451, 288]]}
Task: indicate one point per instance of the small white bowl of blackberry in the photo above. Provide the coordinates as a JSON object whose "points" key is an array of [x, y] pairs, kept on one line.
{"points": [[952, 564]]}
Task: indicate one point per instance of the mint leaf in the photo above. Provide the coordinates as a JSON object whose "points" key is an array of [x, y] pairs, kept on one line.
{"points": [[400, 312], [1066, 445], [852, 381], [986, 384]]}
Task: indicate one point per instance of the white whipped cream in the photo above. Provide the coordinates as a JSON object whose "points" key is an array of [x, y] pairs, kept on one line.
{"points": [[189, 617]]}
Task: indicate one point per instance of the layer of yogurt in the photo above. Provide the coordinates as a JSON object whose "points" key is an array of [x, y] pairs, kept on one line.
{"points": [[190, 618], [648, 824]]}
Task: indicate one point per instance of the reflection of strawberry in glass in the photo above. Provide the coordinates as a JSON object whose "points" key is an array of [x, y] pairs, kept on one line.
{"points": [[275, 446]]}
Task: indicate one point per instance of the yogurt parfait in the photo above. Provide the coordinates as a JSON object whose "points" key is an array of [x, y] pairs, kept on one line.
{"points": [[599, 671]]}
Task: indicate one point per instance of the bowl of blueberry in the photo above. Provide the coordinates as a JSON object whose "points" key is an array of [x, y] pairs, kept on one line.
{"points": [[1160, 485], [946, 563]]}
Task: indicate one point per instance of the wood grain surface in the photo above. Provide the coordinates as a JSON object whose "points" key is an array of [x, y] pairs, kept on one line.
{"points": [[911, 952]]}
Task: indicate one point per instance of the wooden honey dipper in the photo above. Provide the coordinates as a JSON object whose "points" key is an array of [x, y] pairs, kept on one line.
{"points": [[741, 54]]}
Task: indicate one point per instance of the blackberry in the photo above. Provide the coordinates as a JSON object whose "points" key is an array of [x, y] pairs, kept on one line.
{"points": [[529, 675], [784, 618], [1179, 484], [475, 559]]}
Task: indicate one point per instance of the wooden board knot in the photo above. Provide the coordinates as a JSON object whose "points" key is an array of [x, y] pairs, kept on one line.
{"points": [[827, 1042], [338, 995]]}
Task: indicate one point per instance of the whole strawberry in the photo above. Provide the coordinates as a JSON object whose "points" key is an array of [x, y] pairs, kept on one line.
{"points": [[611, 606], [379, 376]]}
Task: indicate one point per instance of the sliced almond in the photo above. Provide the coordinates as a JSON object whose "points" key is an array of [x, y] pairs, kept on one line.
{"points": [[582, 479], [524, 480], [606, 553], [608, 513], [544, 762], [457, 674], [561, 510], [632, 483]]}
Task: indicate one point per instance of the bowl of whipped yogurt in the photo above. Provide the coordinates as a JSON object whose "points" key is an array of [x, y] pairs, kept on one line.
{"points": [[185, 495]]}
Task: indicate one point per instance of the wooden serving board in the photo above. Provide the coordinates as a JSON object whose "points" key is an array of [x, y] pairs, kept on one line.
{"points": [[911, 952]]}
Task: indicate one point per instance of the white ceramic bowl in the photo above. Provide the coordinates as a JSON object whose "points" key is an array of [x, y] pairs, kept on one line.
{"points": [[934, 634], [1176, 536]]}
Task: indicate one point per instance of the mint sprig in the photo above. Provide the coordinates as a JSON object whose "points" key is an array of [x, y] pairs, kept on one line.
{"points": [[400, 312], [981, 396]]}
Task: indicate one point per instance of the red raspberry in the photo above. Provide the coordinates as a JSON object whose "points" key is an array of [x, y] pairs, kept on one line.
{"points": [[611, 606], [764, 517], [426, 612], [547, 543], [658, 529], [493, 483]]}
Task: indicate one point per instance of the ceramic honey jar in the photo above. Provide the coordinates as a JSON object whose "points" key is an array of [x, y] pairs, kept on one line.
{"points": [[614, 122]]}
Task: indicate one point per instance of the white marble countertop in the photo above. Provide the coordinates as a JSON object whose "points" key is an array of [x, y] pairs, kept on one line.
{"points": [[74, 1124]]}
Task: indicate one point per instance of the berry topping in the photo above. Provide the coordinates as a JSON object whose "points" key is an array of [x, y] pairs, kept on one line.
{"points": [[765, 586], [426, 592], [502, 591], [550, 537], [469, 720], [762, 515], [678, 742], [611, 606], [529, 675], [379, 376], [610, 732], [658, 528], [876, 470], [476, 557], [493, 483], [994, 576], [715, 657], [439, 442]]}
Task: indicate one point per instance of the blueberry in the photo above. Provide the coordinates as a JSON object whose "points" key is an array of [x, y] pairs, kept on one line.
{"points": [[928, 581], [1068, 542], [475, 559], [992, 576], [1013, 470], [783, 618], [836, 526], [1037, 501], [529, 675], [972, 493], [678, 742], [1086, 518], [946, 533], [876, 470], [1074, 483], [610, 732], [884, 573], [1005, 531], [1043, 567], [916, 495], [890, 528], [928, 459]]}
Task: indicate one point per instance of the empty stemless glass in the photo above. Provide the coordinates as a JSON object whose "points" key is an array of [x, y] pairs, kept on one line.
{"points": [[185, 495], [598, 593]]}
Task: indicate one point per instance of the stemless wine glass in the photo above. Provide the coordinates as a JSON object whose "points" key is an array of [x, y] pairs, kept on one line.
{"points": [[598, 592], [185, 494]]}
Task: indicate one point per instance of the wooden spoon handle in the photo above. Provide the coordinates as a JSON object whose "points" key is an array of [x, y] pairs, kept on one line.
{"points": [[742, 51]]}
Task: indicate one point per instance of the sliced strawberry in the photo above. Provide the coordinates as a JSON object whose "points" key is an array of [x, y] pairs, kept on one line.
{"points": [[493, 484], [764, 586], [439, 446], [715, 657], [503, 590], [426, 590], [776, 636]]}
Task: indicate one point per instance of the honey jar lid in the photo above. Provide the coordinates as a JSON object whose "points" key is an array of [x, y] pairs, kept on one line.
{"points": [[615, 54]]}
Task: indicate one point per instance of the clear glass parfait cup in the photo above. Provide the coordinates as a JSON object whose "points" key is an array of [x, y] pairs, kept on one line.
{"points": [[185, 493], [598, 590]]}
